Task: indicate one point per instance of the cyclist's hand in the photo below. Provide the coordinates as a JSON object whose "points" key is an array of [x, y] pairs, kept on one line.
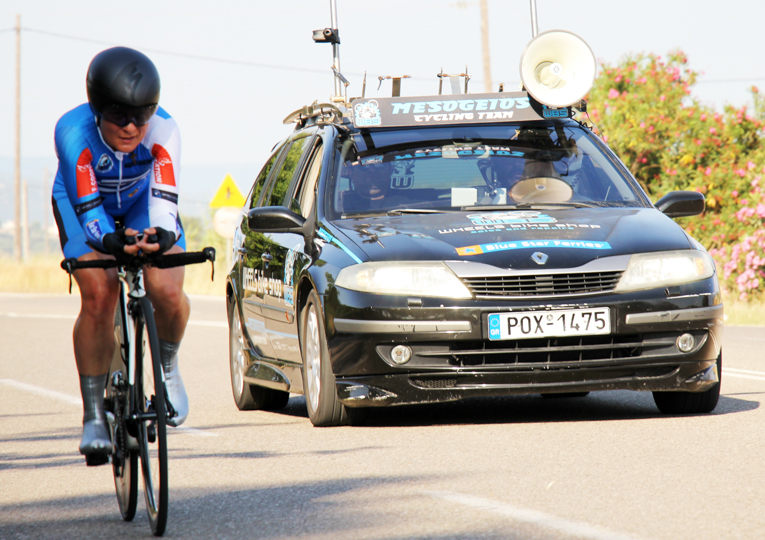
{"points": [[120, 242], [132, 242], [156, 240]]}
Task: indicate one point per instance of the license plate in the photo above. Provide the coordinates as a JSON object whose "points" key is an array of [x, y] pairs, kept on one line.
{"points": [[556, 323]]}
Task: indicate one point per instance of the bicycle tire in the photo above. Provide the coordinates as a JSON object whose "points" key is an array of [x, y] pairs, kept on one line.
{"points": [[152, 432], [124, 459]]}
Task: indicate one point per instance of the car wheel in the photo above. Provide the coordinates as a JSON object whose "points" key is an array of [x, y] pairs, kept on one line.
{"points": [[247, 396], [690, 402], [324, 409]]}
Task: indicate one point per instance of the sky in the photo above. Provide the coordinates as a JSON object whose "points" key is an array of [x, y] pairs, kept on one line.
{"points": [[232, 70]]}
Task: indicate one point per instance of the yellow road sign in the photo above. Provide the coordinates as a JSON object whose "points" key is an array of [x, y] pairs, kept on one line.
{"points": [[228, 194]]}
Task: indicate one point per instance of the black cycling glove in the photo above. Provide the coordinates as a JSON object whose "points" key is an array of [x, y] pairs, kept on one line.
{"points": [[114, 243], [165, 239]]}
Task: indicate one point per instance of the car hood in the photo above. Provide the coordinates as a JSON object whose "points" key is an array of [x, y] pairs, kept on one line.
{"points": [[566, 238]]}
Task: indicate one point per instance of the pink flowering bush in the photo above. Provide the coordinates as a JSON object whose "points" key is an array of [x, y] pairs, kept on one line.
{"points": [[744, 265], [645, 109]]}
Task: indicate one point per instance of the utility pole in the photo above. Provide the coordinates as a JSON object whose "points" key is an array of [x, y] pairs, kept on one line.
{"points": [[485, 45], [24, 220], [17, 174]]}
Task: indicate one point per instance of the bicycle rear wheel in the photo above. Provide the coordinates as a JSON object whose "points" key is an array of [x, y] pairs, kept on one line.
{"points": [[152, 427], [125, 457]]}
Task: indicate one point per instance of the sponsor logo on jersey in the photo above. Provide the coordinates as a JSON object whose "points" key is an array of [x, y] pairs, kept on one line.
{"points": [[104, 163], [163, 166], [94, 229], [86, 178]]}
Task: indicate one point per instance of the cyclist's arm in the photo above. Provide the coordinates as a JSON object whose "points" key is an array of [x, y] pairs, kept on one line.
{"points": [[76, 168], [164, 141]]}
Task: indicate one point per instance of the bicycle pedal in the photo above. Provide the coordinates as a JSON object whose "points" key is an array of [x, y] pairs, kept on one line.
{"points": [[96, 458], [151, 433]]}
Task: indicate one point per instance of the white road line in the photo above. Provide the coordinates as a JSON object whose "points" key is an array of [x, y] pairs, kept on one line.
{"points": [[40, 391], [193, 431], [533, 517], [14, 315], [743, 374], [74, 400]]}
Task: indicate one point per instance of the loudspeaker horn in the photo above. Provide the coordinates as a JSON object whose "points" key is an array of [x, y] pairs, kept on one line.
{"points": [[558, 68]]}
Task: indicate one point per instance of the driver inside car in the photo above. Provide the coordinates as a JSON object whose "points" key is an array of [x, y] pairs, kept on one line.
{"points": [[370, 185]]}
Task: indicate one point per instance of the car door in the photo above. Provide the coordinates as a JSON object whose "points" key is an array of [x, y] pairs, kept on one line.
{"points": [[272, 255], [249, 245]]}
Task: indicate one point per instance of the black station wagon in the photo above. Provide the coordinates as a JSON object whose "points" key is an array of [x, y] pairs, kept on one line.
{"points": [[417, 250]]}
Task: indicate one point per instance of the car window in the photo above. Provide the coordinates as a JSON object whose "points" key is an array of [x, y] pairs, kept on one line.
{"points": [[260, 181], [280, 184], [551, 163], [302, 202]]}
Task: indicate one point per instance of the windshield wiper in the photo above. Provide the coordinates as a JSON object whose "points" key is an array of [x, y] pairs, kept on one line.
{"points": [[531, 206], [571, 204], [399, 211]]}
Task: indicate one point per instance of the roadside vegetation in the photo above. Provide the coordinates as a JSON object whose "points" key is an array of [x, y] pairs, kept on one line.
{"points": [[645, 110]]}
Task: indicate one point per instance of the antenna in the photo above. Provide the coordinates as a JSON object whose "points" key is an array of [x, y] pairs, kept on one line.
{"points": [[454, 81], [331, 35], [534, 27]]}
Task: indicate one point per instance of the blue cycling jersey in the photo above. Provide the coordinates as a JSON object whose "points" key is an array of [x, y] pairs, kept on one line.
{"points": [[96, 184]]}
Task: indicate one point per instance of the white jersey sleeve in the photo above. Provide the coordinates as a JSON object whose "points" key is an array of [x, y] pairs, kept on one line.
{"points": [[163, 140]]}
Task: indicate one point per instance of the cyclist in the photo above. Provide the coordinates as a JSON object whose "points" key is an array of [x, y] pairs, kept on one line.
{"points": [[118, 158]]}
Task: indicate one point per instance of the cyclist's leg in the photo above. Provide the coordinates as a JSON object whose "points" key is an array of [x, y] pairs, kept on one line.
{"points": [[171, 305], [171, 310], [93, 334]]}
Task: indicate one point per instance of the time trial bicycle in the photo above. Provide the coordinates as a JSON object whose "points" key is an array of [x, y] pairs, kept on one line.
{"points": [[135, 403]]}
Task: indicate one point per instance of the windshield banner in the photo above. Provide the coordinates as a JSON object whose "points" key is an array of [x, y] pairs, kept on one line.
{"points": [[457, 109]]}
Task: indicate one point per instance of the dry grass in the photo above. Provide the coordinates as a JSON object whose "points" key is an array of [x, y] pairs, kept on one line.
{"points": [[43, 275]]}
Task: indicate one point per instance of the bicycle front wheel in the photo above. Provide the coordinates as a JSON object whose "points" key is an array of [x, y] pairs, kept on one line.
{"points": [[125, 457], [152, 427]]}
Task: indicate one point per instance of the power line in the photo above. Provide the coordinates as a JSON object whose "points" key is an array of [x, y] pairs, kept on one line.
{"points": [[205, 58], [281, 67]]}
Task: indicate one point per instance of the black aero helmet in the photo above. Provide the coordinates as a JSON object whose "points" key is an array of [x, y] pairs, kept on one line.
{"points": [[122, 76]]}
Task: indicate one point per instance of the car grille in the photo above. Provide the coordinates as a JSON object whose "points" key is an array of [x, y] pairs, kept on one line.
{"points": [[551, 353], [542, 284], [553, 350]]}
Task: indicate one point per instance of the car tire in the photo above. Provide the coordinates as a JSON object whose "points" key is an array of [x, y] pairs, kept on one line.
{"points": [[247, 396], [324, 409], [690, 402]]}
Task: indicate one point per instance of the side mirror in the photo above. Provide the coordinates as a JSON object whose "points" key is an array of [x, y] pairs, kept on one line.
{"points": [[275, 219], [681, 203]]}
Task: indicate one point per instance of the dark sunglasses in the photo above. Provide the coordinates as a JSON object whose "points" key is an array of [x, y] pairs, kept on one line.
{"points": [[123, 115]]}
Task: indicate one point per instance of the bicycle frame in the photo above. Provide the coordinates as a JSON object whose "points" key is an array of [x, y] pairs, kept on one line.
{"points": [[131, 290]]}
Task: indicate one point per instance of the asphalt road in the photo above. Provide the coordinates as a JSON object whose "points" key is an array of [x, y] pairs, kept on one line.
{"points": [[604, 466]]}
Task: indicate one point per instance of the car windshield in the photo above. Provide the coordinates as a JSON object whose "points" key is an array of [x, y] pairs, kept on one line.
{"points": [[556, 164]]}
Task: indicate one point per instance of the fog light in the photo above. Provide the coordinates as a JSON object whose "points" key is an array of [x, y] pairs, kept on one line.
{"points": [[685, 342], [401, 354]]}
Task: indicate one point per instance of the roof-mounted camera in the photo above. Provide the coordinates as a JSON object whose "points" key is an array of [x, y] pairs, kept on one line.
{"points": [[326, 35]]}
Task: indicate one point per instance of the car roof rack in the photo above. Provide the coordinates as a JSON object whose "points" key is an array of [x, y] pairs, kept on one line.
{"points": [[317, 113]]}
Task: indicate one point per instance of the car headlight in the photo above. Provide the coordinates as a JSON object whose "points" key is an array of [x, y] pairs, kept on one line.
{"points": [[403, 278], [665, 268]]}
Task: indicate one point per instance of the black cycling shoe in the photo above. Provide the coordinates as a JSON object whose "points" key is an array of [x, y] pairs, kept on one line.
{"points": [[96, 445]]}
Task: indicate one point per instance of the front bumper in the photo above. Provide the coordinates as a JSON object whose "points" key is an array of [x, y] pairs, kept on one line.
{"points": [[452, 357]]}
